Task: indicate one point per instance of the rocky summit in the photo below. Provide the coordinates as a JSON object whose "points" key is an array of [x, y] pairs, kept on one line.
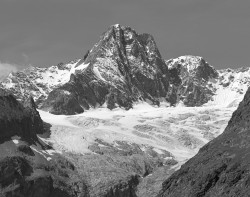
{"points": [[189, 77], [123, 67]]}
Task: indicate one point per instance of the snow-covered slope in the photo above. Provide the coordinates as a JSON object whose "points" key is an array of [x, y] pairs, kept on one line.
{"points": [[39, 82], [221, 168], [230, 87], [188, 62], [200, 84], [178, 130]]}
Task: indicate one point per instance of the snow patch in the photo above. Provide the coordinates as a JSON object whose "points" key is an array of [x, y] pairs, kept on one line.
{"points": [[97, 73], [15, 141], [56, 119]]}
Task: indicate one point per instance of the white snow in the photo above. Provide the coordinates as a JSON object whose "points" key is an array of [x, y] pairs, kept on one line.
{"points": [[181, 131], [106, 69], [188, 61], [79, 67], [225, 97], [229, 88], [50, 152], [82, 66], [41, 152], [97, 73], [38, 82], [55, 119], [16, 141]]}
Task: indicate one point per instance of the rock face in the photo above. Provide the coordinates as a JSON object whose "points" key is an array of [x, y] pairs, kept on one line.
{"points": [[123, 67], [32, 176], [221, 168], [23, 171], [189, 77], [193, 82], [116, 171], [16, 119]]}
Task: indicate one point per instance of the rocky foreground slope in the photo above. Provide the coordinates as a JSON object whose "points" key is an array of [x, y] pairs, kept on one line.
{"points": [[26, 165], [18, 119], [222, 167]]}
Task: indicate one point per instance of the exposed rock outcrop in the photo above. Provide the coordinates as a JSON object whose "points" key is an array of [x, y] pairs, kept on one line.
{"points": [[33, 176], [189, 77], [16, 119], [221, 168], [117, 168]]}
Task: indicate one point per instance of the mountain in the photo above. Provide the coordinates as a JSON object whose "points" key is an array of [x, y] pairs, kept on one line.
{"points": [[38, 82], [221, 168], [123, 68], [132, 149], [194, 82], [189, 79]]}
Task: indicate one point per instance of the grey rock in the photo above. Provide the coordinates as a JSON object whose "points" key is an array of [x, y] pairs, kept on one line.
{"points": [[221, 168]]}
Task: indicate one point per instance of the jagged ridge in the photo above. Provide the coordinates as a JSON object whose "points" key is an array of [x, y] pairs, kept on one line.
{"points": [[123, 67]]}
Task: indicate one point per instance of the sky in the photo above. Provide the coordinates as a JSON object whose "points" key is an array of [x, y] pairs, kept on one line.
{"points": [[47, 32]]}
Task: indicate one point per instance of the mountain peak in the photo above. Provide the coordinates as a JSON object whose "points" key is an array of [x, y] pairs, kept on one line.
{"points": [[193, 65], [116, 26], [119, 26], [122, 67]]}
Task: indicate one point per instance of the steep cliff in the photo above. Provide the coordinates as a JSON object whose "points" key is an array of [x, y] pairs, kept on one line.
{"points": [[189, 79], [221, 168], [18, 119]]}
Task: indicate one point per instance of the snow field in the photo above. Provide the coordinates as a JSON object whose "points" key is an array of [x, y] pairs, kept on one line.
{"points": [[181, 131]]}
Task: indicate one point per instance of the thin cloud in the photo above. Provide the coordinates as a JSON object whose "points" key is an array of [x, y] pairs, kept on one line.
{"points": [[6, 69]]}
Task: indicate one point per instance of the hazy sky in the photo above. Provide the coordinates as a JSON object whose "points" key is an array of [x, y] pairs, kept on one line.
{"points": [[47, 32]]}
